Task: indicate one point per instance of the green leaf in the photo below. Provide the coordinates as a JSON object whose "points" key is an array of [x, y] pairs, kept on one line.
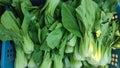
{"points": [[54, 38], [36, 58], [39, 35], [57, 59], [28, 44], [4, 2], [72, 41], [75, 63], [87, 12], [67, 62], [69, 49], [52, 6], [44, 46], [63, 44], [20, 60], [106, 56], [110, 5], [44, 33], [32, 64], [4, 34], [25, 6], [69, 21], [26, 23], [33, 32], [76, 54], [17, 8], [47, 61], [52, 27], [9, 21], [49, 20]]}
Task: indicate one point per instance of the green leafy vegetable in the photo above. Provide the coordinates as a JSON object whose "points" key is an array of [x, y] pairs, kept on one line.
{"points": [[69, 21], [54, 38]]}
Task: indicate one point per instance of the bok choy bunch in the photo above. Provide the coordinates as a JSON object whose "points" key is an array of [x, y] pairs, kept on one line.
{"points": [[61, 33]]}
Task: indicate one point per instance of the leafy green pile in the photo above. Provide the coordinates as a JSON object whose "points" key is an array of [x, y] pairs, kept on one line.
{"points": [[60, 34]]}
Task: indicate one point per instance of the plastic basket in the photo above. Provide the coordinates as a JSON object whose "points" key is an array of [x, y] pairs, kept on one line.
{"points": [[118, 11], [8, 55], [115, 60], [0, 51]]}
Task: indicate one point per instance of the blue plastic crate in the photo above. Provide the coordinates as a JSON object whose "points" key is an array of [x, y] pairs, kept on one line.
{"points": [[118, 11], [0, 52], [7, 55], [115, 59]]}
